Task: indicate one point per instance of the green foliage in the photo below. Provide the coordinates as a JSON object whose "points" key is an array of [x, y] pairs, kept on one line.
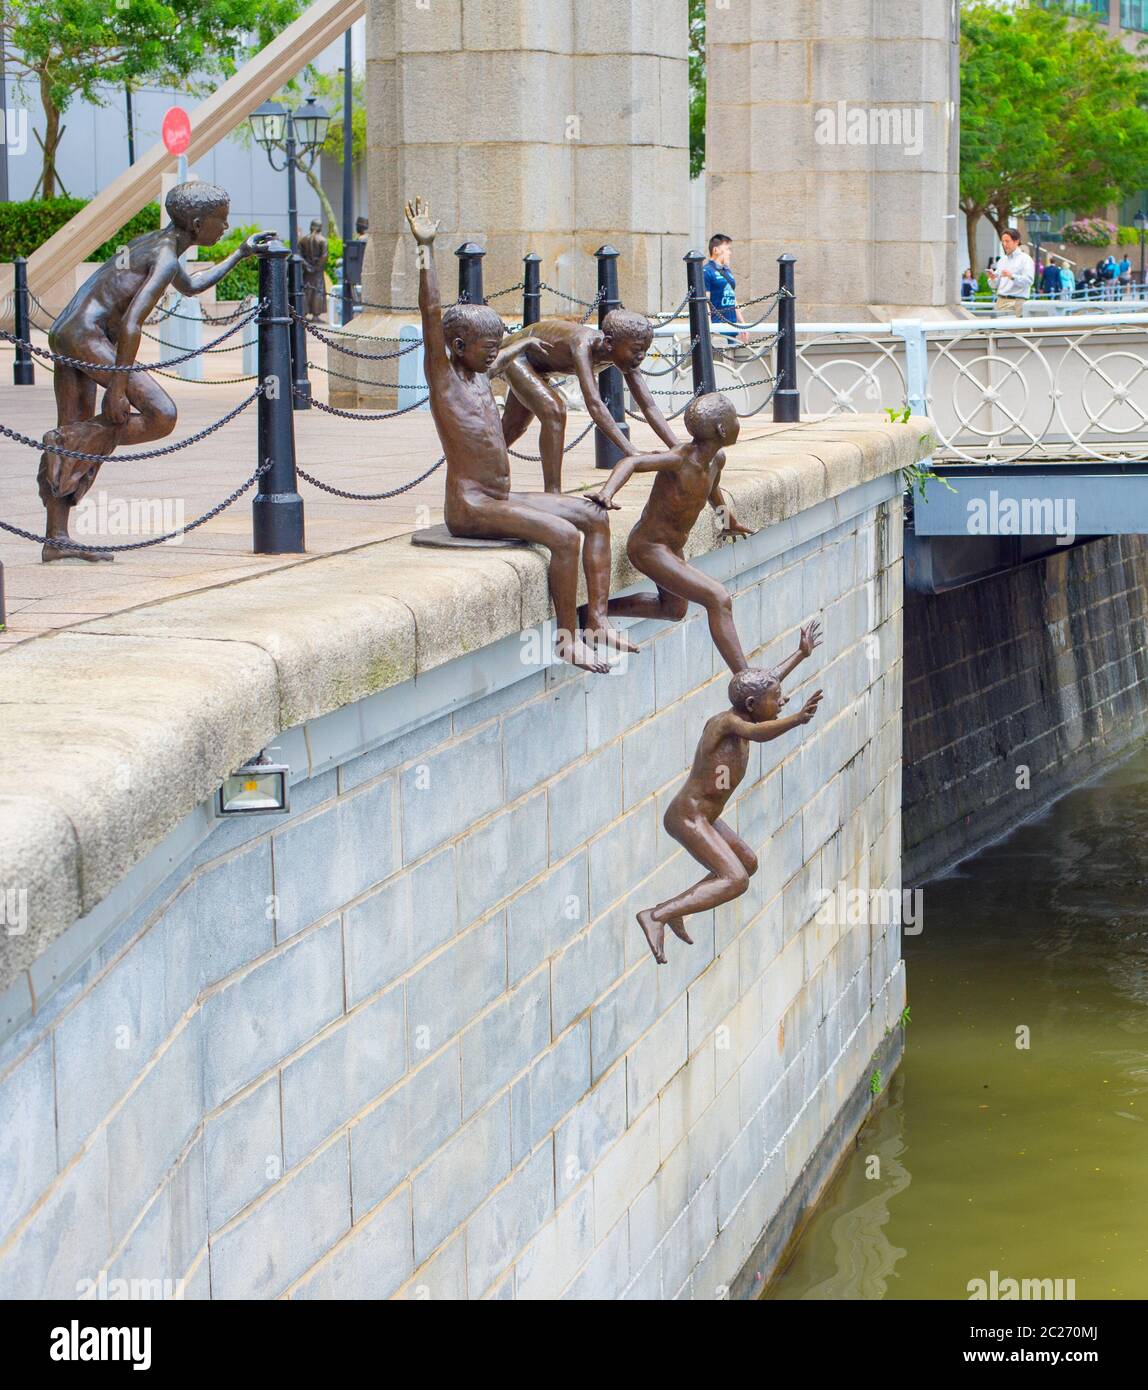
{"points": [[244, 279], [328, 88], [84, 48], [917, 475], [876, 1085], [26, 226], [697, 71], [1090, 231], [1053, 114], [1127, 236]]}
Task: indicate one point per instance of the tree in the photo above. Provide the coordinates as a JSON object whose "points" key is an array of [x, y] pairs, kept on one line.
{"points": [[1053, 114], [327, 89], [71, 48], [697, 71]]}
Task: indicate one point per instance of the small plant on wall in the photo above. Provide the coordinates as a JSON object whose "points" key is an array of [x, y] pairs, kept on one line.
{"points": [[917, 475]]}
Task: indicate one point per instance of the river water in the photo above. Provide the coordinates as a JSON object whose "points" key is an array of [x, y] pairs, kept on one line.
{"points": [[1030, 1161]]}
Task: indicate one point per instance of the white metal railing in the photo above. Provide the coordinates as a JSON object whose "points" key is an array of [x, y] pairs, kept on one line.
{"points": [[1033, 387], [1036, 387]]}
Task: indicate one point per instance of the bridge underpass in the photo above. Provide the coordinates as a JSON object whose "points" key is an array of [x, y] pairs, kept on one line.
{"points": [[980, 519]]}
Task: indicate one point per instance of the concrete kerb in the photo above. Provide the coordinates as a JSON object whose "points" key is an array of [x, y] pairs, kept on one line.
{"points": [[119, 728]]}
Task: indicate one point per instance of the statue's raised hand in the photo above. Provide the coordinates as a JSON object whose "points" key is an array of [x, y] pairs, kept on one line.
{"points": [[256, 242], [422, 225], [810, 638]]}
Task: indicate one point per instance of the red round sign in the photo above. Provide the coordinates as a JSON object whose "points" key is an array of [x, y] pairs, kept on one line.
{"points": [[176, 130]]}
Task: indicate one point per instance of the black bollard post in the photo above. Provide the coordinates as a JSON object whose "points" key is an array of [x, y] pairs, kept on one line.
{"points": [[300, 382], [277, 511], [531, 288], [470, 256], [702, 351], [786, 397], [610, 385], [23, 372]]}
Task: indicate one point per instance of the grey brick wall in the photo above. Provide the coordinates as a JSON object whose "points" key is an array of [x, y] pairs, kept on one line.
{"points": [[410, 1042], [1017, 688]]}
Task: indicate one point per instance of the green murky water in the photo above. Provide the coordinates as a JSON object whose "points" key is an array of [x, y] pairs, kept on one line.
{"points": [[1033, 1163]]}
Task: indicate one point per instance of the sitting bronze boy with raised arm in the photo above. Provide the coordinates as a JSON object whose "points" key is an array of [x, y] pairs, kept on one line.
{"points": [[693, 817], [459, 348], [563, 347], [101, 325]]}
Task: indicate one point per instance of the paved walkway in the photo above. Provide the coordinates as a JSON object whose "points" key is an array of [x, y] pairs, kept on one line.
{"points": [[360, 456]]}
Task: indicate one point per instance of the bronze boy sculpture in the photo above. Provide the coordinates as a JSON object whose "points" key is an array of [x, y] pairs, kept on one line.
{"points": [[459, 348], [693, 816], [561, 346], [689, 476], [101, 326]]}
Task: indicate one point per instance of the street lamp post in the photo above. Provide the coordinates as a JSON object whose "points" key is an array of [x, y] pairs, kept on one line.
{"points": [[299, 135], [348, 192], [1140, 221], [1039, 223]]}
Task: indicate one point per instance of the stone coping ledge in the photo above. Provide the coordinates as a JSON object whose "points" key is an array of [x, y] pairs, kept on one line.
{"points": [[117, 729]]}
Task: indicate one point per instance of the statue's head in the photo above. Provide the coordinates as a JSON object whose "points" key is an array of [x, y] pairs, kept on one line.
{"points": [[200, 209], [473, 335], [756, 694], [629, 336], [712, 417], [316, 226]]}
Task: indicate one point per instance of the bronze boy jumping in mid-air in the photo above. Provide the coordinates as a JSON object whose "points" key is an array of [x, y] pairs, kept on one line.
{"points": [[479, 500], [101, 325], [563, 347], [693, 817]]}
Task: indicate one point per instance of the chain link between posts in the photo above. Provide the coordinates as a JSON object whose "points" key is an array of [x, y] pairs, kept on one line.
{"points": [[244, 316], [62, 543], [43, 447]]}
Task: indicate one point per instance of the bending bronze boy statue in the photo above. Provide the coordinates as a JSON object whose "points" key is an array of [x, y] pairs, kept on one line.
{"points": [[561, 346], [693, 817], [101, 326], [689, 476], [459, 347]]}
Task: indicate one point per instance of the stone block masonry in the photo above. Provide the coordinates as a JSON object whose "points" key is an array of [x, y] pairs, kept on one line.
{"points": [[1017, 687], [409, 1041]]}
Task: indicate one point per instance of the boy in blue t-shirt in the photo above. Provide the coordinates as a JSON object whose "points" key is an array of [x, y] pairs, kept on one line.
{"points": [[721, 286]]}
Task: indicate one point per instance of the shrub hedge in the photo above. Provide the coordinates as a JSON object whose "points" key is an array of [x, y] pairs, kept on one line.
{"points": [[26, 226]]}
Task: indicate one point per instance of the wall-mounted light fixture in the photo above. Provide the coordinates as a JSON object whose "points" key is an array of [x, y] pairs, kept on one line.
{"points": [[257, 788]]}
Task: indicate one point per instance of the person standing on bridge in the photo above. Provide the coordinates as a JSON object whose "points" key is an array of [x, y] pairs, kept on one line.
{"points": [[721, 287], [1013, 275]]}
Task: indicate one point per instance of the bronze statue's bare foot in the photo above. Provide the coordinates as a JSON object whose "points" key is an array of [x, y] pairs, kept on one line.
{"points": [[678, 926], [603, 632], [610, 636], [52, 552], [577, 653], [654, 932]]}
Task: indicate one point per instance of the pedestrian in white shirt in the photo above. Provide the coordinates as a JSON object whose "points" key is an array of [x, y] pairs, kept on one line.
{"points": [[1013, 276]]}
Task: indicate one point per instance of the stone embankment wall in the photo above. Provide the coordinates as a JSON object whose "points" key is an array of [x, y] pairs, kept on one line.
{"points": [[408, 1040], [1016, 687]]}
